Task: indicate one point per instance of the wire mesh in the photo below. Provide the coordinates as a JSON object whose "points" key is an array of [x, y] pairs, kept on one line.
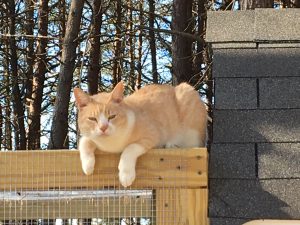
{"points": [[48, 187]]}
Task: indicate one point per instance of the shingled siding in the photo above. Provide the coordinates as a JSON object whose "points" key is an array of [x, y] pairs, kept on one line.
{"points": [[255, 156]]}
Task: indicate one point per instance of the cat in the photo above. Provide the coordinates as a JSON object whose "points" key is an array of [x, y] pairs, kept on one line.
{"points": [[154, 116]]}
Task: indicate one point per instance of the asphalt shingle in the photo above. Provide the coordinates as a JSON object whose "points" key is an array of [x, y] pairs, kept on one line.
{"points": [[239, 93], [264, 62], [232, 161], [279, 160], [238, 126], [253, 199], [283, 92]]}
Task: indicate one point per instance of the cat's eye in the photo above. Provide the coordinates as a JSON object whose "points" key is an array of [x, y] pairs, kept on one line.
{"points": [[111, 117], [92, 119]]}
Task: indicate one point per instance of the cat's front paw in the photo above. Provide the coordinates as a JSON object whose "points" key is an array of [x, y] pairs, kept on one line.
{"points": [[127, 176], [88, 165]]}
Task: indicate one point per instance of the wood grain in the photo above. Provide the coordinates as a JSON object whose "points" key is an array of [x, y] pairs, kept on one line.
{"points": [[61, 169], [30, 180], [182, 206]]}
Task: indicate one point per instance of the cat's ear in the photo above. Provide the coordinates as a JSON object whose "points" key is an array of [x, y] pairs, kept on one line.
{"points": [[118, 93], [82, 99]]}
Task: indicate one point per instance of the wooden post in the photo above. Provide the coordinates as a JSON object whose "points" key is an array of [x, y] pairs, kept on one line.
{"points": [[182, 206]]}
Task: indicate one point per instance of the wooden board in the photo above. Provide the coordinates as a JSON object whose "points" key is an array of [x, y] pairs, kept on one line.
{"points": [[61, 169], [182, 206]]}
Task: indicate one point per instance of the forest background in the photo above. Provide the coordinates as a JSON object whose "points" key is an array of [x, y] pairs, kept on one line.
{"points": [[47, 47]]}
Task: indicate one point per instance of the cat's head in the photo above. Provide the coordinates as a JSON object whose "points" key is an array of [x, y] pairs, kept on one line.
{"points": [[102, 114]]}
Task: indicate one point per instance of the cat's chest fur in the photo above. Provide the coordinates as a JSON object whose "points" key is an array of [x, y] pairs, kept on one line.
{"points": [[119, 140]]}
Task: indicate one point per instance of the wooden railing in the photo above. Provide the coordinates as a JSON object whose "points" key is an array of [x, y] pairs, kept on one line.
{"points": [[170, 187]]}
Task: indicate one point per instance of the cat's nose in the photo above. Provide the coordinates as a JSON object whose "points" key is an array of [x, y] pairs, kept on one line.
{"points": [[103, 127]]}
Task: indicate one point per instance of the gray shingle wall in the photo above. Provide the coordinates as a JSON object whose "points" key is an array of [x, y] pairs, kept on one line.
{"points": [[254, 62], [283, 92], [250, 199], [271, 155], [262, 25], [254, 165], [227, 221], [232, 161], [259, 125]]}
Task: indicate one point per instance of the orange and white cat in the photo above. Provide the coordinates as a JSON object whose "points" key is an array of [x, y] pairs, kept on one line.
{"points": [[152, 117]]}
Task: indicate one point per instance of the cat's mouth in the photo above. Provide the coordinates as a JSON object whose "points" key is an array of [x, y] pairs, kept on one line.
{"points": [[101, 133], [104, 134], [97, 134]]}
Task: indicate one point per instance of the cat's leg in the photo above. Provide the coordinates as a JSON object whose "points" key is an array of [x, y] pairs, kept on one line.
{"points": [[87, 148], [127, 163]]}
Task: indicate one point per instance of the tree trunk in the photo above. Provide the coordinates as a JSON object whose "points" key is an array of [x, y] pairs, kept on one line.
{"points": [[59, 129], [182, 46], [20, 134], [62, 20], [131, 45], [95, 54], [198, 58], [118, 45], [29, 26], [140, 47], [8, 130], [34, 133], [7, 100], [152, 41], [252, 4], [209, 91]]}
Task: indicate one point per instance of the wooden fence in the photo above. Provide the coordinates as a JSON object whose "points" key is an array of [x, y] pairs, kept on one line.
{"points": [[170, 188]]}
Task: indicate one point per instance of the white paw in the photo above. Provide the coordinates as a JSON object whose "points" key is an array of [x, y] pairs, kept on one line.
{"points": [[88, 165], [127, 176]]}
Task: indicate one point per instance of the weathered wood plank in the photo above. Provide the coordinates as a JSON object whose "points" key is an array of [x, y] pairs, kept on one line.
{"points": [[182, 206], [61, 169]]}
